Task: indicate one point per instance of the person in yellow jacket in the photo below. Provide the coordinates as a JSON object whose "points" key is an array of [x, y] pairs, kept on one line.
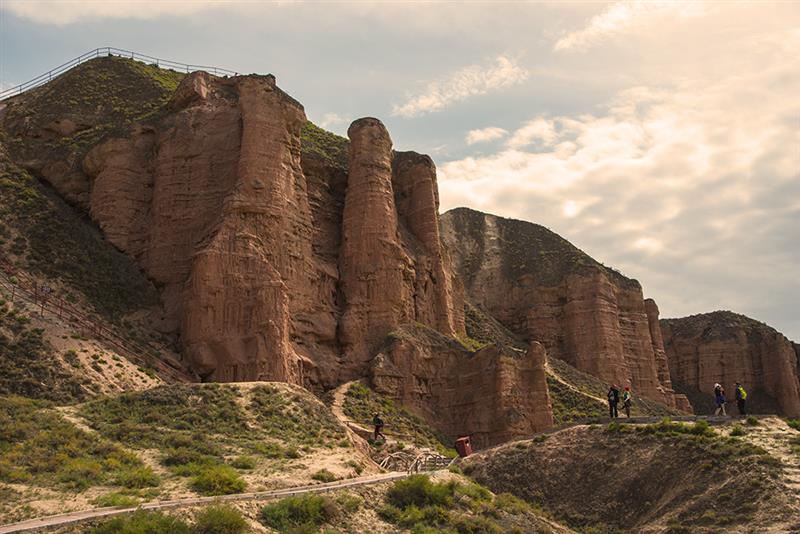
{"points": [[741, 398]]}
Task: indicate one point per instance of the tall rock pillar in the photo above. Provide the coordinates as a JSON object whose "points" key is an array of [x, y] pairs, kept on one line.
{"points": [[376, 276]]}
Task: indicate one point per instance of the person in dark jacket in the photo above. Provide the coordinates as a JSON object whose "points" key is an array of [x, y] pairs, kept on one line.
{"points": [[613, 401], [378, 423], [741, 399]]}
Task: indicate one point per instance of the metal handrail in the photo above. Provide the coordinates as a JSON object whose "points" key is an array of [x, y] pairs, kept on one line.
{"points": [[105, 52]]}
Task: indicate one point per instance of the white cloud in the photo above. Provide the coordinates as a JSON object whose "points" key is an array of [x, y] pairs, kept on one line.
{"points": [[485, 134], [462, 84], [538, 130], [331, 119], [691, 187], [625, 17]]}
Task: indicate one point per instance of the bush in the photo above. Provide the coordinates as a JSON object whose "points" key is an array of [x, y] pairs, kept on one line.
{"points": [[142, 523], [418, 490], [139, 477], [752, 420], [244, 462], [511, 504], [218, 480], [302, 512], [116, 499], [323, 475], [219, 520], [737, 431], [80, 473]]}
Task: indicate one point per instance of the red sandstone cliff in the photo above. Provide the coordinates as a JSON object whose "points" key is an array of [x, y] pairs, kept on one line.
{"points": [[493, 395], [726, 347], [544, 289], [275, 262]]}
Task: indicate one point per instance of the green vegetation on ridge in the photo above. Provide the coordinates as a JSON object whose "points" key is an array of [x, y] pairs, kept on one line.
{"points": [[53, 239], [27, 365], [37, 446]]}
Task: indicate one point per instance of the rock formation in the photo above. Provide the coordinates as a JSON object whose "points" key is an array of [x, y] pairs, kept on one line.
{"points": [[493, 395], [275, 262], [544, 289], [726, 347]]}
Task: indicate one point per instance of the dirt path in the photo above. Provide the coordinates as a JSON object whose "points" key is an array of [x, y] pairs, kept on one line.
{"points": [[553, 373], [86, 515]]}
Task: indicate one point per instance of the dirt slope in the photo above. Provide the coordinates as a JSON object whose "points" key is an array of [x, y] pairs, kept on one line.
{"points": [[656, 478]]}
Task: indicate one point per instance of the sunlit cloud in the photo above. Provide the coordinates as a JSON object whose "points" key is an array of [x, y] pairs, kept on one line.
{"points": [[329, 120], [625, 17], [691, 187], [485, 134], [462, 84]]}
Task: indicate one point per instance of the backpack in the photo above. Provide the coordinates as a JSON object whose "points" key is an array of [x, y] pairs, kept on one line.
{"points": [[742, 393]]}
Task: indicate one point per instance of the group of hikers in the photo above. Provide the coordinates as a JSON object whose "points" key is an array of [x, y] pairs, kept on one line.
{"points": [[719, 399], [614, 396]]}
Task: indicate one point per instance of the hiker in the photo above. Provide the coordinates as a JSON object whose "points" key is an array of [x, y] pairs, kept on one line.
{"points": [[741, 398], [378, 422], [613, 400], [719, 398], [627, 400]]}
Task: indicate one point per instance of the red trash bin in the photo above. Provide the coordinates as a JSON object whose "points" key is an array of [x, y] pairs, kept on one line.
{"points": [[463, 446]]}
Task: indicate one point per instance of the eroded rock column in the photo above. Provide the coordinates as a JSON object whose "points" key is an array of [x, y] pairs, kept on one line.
{"points": [[375, 273], [417, 200], [237, 312]]}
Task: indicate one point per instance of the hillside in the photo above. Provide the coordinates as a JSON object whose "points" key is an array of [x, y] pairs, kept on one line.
{"points": [[727, 347], [167, 442], [666, 477]]}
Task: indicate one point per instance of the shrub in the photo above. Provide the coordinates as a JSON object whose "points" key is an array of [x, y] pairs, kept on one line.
{"points": [[219, 520], [138, 477], [142, 523], [418, 490], [80, 473], [323, 475], [737, 431], [218, 480], [302, 512], [116, 499], [511, 503], [244, 462], [794, 423], [752, 420]]}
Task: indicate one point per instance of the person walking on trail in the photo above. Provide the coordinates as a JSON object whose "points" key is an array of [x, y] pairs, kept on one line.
{"points": [[378, 423], [627, 400], [741, 398], [613, 400], [719, 398]]}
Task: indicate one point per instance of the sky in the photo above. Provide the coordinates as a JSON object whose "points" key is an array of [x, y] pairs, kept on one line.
{"points": [[662, 138]]}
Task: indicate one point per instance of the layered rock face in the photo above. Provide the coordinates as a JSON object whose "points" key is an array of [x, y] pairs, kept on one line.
{"points": [[544, 289], [493, 395], [726, 347], [275, 262]]}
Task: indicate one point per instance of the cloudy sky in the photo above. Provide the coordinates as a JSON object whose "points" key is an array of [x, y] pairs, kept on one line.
{"points": [[663, 138]]}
